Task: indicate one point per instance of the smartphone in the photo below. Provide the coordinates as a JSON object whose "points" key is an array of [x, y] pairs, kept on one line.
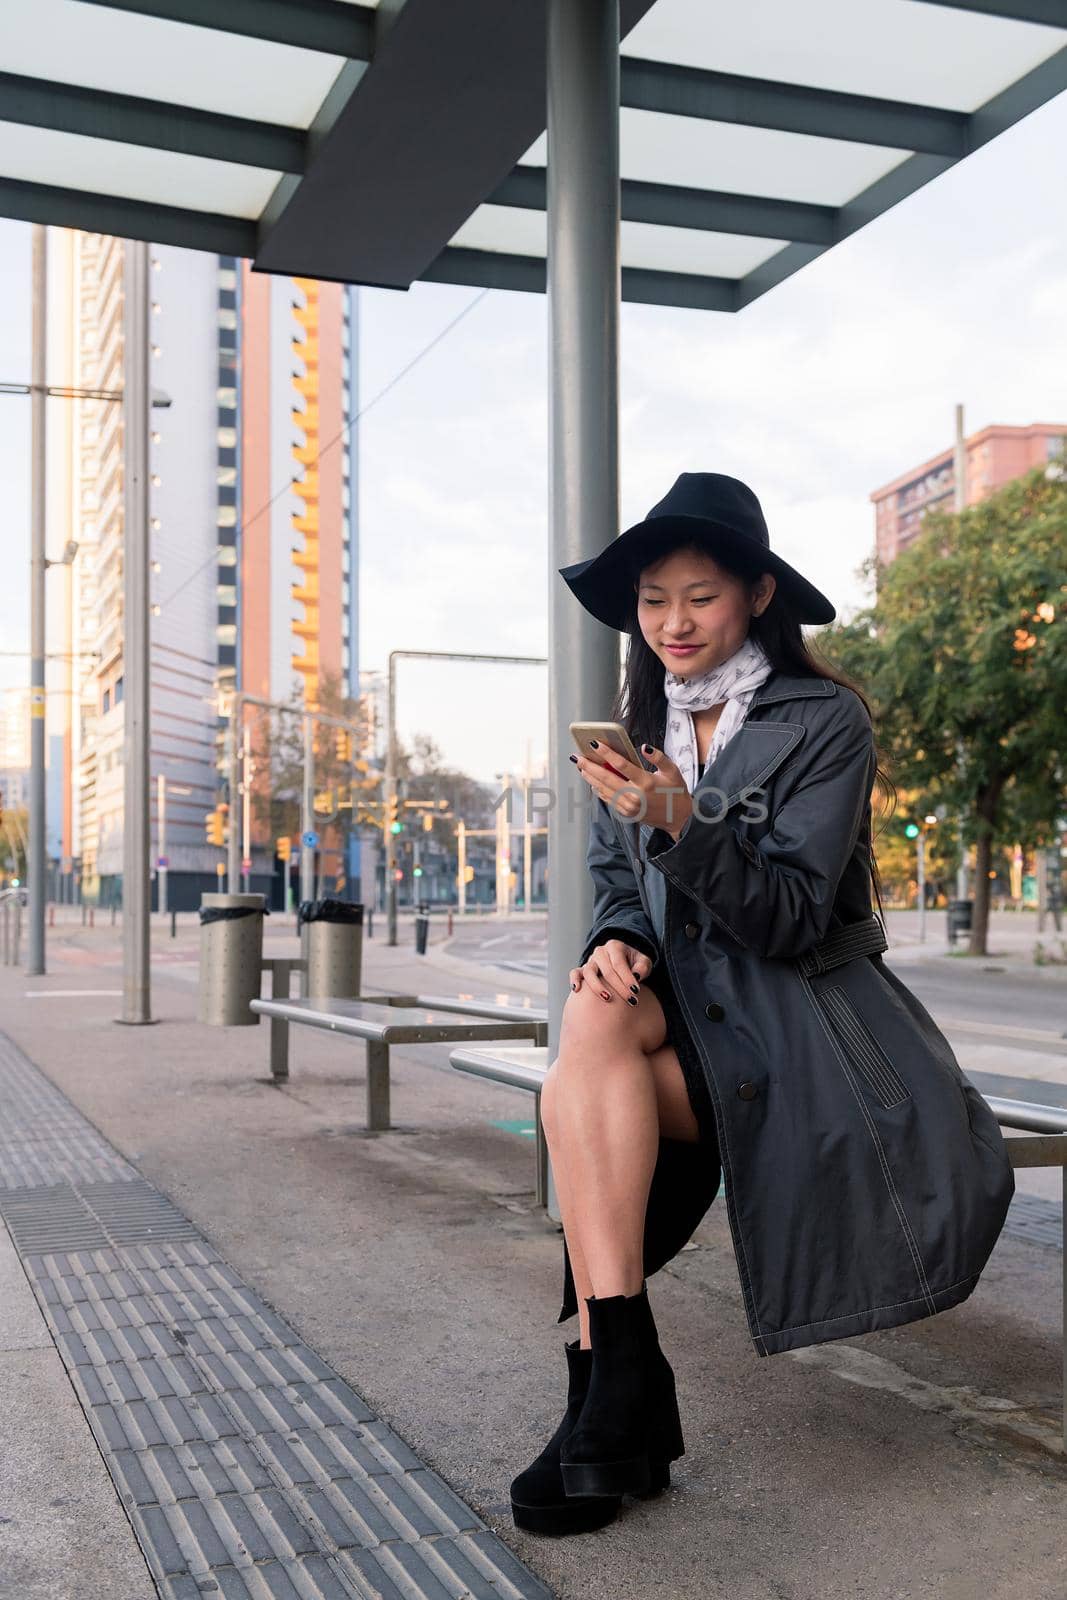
{"points": [[606, 733]]}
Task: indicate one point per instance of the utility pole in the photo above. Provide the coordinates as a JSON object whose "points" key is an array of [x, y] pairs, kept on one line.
{"points": [[136, 837], [307, 813], [960, 502], [233, 770], [391, 754], [35, 866], [161, 840], [527, 837], [246, 810]]}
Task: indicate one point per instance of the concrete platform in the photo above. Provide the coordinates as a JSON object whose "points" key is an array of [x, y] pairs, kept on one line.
{"points": [[918, 1461]]}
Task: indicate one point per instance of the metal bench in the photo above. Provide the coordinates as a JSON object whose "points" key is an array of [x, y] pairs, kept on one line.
{"points": [[519, 1067], [381, 1025], [281, 969]]}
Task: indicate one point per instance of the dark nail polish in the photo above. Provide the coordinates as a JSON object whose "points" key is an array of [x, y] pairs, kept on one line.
{"points": [[593, 744], [632, 1002], [634, 989], [572, 758], [605, 995]]}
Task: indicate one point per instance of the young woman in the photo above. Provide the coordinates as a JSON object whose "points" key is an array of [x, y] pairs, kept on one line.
{"points": [[731, 1014]]}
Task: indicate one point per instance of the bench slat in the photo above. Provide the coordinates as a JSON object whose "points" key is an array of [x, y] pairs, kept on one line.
{"points": [[359, 1019], [507, 1010], [519, 1066]]}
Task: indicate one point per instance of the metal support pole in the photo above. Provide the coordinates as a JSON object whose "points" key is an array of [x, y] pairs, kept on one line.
{"points": [[584, 284], [37, 842], [307, 813], [136, 836], [233, 762], [246, 809], [388, 798], [161, 840], [541, 1168], [377, 1085], [281, 971], [959, 467]]}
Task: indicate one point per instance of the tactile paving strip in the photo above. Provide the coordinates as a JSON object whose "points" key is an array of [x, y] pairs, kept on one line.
{"points": [[249, 1470]]}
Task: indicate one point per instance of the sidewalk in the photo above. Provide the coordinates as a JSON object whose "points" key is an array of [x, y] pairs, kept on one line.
{"points": [[922, 1460]]}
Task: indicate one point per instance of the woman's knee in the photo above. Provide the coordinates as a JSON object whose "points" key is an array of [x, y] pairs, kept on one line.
{"points": [[592, 1028]]}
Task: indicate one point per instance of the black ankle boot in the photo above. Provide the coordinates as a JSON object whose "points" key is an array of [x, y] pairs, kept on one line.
{"points": [[665, 1441], [607, 1451], [539, 1502]]}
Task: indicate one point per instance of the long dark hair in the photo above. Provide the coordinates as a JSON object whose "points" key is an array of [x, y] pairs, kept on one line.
{"points": [[639, 704]]}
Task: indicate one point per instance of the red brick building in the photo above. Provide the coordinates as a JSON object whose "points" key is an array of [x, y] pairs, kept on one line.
{"points": [[994, 456]]}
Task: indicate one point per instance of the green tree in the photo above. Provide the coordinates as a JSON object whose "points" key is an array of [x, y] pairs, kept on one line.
{"points": [[964, 656]]}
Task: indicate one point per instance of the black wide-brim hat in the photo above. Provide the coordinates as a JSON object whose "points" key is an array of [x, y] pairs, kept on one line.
{"points": [[711, 509]]}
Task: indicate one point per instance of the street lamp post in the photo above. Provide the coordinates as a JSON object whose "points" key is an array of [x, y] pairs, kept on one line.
{"points": [[35, 867], [391, 762], [161, 841], [136, 336], [136, 842]]}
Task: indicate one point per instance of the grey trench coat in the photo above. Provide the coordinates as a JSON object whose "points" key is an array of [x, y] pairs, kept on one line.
{"points": [[866, 1179]]}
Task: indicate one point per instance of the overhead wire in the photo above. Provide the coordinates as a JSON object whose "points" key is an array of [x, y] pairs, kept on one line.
{"points": [[329, 445]]}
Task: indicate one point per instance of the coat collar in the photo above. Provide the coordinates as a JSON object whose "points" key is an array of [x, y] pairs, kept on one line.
{"points": [[760, 744]]}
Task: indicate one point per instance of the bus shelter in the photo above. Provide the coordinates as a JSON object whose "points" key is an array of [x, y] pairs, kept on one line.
{"points": [[674, 152]]}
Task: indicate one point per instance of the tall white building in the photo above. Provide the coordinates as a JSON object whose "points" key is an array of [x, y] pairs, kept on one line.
{"points": [[86, 504]]}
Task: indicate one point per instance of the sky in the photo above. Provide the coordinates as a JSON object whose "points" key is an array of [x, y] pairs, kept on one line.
{"points": [[815, 395]]}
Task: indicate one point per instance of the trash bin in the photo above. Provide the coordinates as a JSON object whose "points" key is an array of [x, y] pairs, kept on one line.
{"points": [[959, 918], [422, 930], [332, 935], [231, 957]]}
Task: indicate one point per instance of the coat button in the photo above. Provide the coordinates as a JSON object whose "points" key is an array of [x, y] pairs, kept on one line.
{"points": [[692, 930], [714, 1011], [748, 1091], [639, 867]]}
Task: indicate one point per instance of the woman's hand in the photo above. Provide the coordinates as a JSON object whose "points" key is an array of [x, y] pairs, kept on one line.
{"points": [[667, 803], [613, 968]]}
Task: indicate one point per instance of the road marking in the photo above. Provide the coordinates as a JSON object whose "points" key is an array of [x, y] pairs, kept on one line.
{"points": [[66, 994]]}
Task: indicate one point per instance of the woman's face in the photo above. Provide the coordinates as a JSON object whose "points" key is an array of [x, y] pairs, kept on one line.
{"points": [[686, 599]]}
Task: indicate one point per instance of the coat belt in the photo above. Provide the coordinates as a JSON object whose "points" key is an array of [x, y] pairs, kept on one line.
{"points": [[866, 938]]}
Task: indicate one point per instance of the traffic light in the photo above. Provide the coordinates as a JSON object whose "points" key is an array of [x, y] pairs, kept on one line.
{"points": [[911, 830], [416, 872], [427, 821], [468, 874], [392, 815], [342, 744], [215, 824], [284, 849]]}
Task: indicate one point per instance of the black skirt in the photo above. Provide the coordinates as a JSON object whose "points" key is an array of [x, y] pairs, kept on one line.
{"points": [[688, 1059]]}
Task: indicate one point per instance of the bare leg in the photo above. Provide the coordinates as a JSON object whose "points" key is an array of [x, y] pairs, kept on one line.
{"points": [[614, 1088]]}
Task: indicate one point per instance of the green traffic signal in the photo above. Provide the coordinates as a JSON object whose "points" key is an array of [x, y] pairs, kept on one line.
{"points": [[911, 830], [396, 827]]}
